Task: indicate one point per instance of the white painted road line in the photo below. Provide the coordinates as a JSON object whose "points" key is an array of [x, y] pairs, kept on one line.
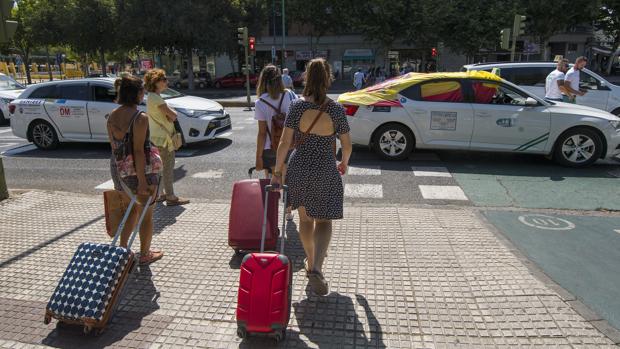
{"points": [[6, 145], [237, 128], [6, 131], [372, 191], [430, 171], [109, 185], [19, 150], [424, 157], [615, 173], [364, 171], [442, 192], [211, 174]]}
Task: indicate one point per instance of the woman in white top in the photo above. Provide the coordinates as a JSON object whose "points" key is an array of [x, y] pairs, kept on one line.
{"points": [[270, 111]]}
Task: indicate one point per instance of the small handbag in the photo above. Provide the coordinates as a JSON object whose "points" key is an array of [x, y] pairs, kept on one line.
{"points": [[175, 136], [115, 204]]}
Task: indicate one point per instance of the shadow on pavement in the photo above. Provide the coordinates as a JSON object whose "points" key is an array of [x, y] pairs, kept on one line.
{"points": [[139, 300], [331, 321], [292, 249], [165, 216], [204, 148], [70, 151]]}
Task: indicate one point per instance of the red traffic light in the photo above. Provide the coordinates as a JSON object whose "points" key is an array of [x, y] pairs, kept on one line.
{"points": [[434, 52], [251, 42]]}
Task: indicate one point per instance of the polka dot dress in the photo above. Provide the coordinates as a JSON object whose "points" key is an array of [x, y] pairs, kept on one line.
{"points": [[312, 177]]}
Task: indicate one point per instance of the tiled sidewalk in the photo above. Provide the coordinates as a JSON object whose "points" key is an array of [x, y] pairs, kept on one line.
{"points": [[400, 278]]}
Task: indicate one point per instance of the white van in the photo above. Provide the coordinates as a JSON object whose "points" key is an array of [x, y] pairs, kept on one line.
{"points": [[531, 77]]}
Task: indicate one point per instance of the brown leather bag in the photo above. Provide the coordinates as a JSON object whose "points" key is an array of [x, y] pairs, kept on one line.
{"points": [[115, 204]]}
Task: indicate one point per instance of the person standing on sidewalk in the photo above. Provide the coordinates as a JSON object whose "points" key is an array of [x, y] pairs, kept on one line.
{"points": [[358, 79], [127, 119], [161, 121], [273, 101], [554, 84], [287, 80], [571, 81], [314, 178]]}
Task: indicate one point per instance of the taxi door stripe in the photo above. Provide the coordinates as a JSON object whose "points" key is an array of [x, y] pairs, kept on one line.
{"points": [[532, 141], [531, 145]]}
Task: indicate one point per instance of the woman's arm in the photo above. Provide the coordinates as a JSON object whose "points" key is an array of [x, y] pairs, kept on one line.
{"points": [[170, 114], [285, 144], [347, 149], [139, 157], [260, 143]]}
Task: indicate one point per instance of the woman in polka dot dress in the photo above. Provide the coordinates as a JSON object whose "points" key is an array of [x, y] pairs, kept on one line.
{"points": [[313, 177]]}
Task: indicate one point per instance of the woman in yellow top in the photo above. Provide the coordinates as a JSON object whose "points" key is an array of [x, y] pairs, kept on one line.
{"points": [[161, 124]]}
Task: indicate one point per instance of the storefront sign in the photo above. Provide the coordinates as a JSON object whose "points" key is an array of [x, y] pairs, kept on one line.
{"points": [[307, 55], [360, 54]]}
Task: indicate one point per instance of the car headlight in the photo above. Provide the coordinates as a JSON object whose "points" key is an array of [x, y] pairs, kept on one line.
{"points": [[615, 124], [196, 113]]}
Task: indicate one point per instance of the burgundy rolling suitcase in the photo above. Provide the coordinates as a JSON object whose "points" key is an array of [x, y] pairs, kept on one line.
{"points": [[91, 286], [264, 298], [248, 200]]}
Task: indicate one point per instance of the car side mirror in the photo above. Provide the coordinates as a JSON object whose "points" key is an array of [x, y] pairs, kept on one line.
{"points": [[531, 102]]}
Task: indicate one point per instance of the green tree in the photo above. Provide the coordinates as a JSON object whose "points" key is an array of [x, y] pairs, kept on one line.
{"points": [[91, 27], [25, 38], [318, 18], [469, 26], [548, 18], [609, 22]]}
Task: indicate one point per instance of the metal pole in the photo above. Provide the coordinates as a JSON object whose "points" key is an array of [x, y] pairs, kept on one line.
{"points": [[4, 193], [273, 11], [515, 32], [247, 78], [283, 38]]}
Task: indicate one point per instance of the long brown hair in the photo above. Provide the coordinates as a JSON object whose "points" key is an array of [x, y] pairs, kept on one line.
{"points": [[318, 80], [270, 81]]}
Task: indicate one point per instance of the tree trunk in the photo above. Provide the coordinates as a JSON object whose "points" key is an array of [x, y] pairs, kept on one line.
{"points": [[614, 53], [190, 70], [49, 68], [27, 65], [545, 49], [103, 62]]}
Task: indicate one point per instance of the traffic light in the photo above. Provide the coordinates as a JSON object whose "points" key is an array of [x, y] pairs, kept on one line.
{"points": [[7, 28], [519, 25], [251, 45], [434, 52], [504, 41], [242, 36]]}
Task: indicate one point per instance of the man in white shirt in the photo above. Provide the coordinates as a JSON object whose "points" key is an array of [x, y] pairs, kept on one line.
{"points": [[571, 81], [554, 84], [358, 79], [286, 79]]}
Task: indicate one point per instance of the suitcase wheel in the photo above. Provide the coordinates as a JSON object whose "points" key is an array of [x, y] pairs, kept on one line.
{"points": [[241, 332], [47, 319], [280, 336], [237, 251]]}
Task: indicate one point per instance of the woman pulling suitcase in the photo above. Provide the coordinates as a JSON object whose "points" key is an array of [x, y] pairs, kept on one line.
{"points": [[313, 176]]}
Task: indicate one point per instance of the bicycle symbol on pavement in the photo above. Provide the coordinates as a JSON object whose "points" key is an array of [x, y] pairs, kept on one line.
{"points": [[546, 222]]}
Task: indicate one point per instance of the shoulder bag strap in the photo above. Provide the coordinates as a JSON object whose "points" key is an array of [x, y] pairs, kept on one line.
{"points": [[269, 104], [281, 100], [133, 120]]}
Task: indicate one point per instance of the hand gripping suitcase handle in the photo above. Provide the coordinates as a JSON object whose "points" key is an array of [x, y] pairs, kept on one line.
{"points": [[268, 189], [252, 169], [132, 203]]}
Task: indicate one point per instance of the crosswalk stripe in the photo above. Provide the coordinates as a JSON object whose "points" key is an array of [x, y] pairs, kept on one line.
{"points": [[442, 192], [371, 191], [237, 128], [6, 131], [364, 171], [211, 174], [430, 171], [105, 185], [6, 145]]}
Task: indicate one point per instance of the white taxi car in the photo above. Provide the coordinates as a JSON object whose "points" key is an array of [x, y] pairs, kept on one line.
{"points": [[476, 110], [77, 111], [9, 90]]}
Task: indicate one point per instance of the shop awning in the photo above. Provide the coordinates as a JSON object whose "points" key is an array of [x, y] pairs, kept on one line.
{"points": [[358, 54]]}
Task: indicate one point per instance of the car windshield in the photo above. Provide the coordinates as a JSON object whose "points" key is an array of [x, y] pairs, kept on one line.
{"points": [[170, 93], [7, 83]]}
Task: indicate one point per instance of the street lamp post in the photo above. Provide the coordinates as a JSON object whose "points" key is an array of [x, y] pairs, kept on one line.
{"points": [[283, 37]]}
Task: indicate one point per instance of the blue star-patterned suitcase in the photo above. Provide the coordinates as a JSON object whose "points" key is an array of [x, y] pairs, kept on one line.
{"points": [[91, 286]]}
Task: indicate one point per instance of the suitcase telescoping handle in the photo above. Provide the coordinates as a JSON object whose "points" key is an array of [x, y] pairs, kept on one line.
{"points": [[268, 189], [132, 203]]}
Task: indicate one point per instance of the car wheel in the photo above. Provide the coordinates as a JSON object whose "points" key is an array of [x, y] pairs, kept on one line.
{"points": [[177, 85], [3, 120], [43, 135], [393, 142], [578, 147], [218, 85], [616, 112], [201, 85]]}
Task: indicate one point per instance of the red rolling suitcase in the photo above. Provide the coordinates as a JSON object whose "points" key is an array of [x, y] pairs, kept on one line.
{"points": [[248, 200], [264, 298]]}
